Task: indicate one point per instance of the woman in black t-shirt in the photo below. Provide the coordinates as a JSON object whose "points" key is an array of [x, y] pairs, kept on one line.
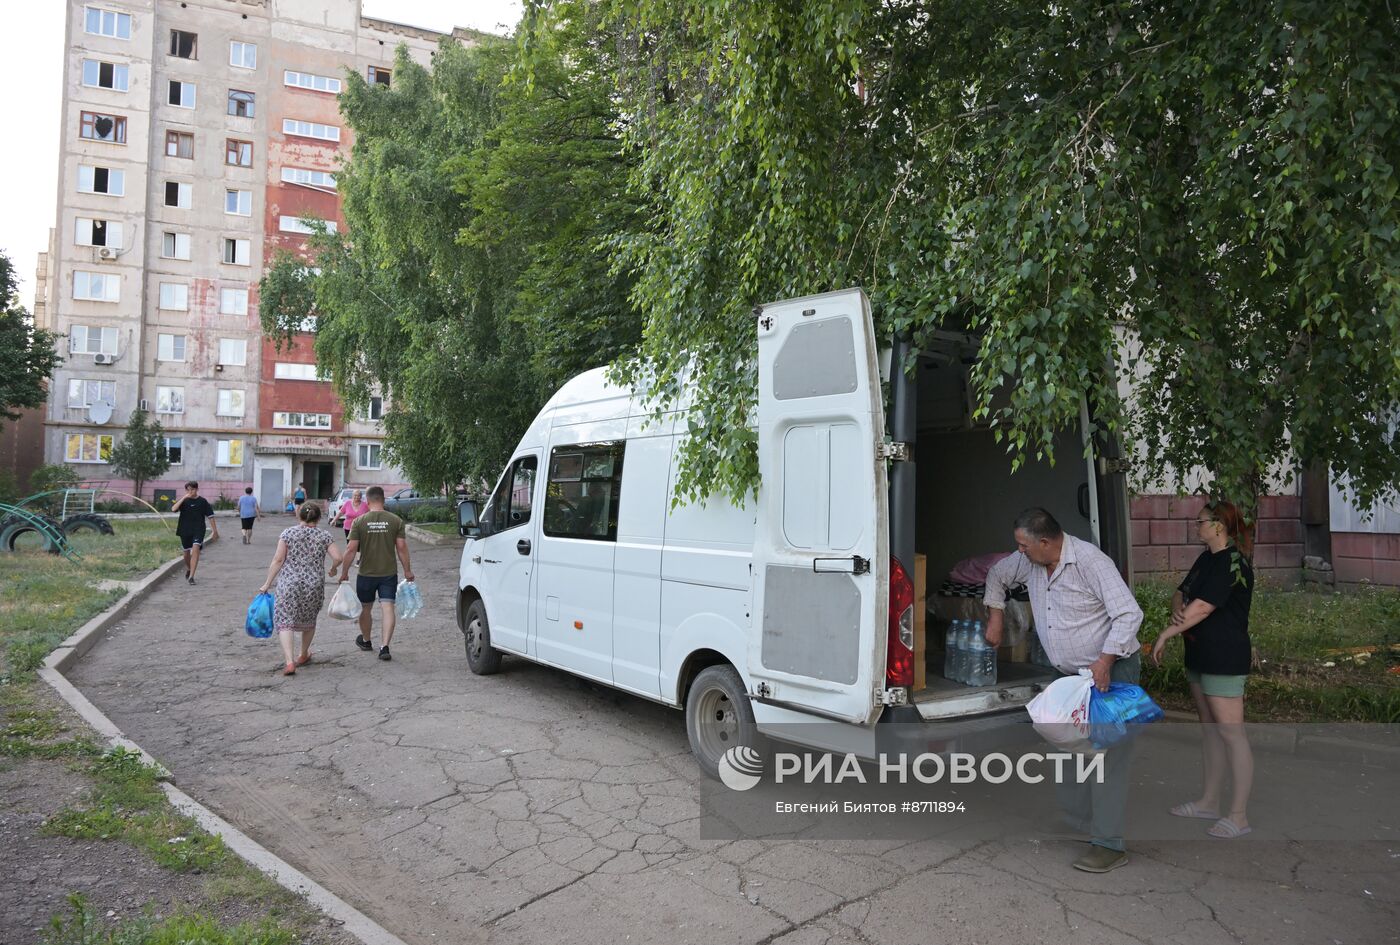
{"points": [[1211, 611]]}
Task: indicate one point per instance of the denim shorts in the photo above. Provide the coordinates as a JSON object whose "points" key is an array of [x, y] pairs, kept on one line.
{"points": [[387, 587]]}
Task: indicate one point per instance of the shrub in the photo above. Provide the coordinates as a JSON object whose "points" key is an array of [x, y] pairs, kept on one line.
{"points": [[425, 514], [50, 477]]}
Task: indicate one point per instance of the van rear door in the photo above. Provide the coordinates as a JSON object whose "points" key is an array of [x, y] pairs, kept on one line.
{"points": [[821, 549]]}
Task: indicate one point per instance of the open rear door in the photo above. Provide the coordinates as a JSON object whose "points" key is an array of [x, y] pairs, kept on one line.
{"points": [[821, 549]]}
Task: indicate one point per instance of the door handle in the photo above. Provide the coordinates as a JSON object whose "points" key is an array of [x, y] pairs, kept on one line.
{"points": [[523, 546], [476, 559], [1083, 498]]}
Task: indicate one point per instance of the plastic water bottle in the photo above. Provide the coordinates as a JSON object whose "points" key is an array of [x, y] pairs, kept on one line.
{"points": [[962, 666], [950, 649], [986, 658]]}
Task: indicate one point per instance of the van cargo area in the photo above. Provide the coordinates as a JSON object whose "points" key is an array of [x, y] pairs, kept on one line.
{"points": [[967, 498]]}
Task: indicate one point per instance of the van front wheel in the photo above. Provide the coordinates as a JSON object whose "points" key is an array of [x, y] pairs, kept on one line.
{"points": [[481, 658], [718, 717]]}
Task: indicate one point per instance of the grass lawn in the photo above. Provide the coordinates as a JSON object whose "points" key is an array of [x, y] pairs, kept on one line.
{"points": [[1318, 657], [437, 528], [44, 597]]}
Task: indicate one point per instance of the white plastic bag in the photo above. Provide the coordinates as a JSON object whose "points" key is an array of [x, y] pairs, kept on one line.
{"points": [[344, 604], [1061, 712]]}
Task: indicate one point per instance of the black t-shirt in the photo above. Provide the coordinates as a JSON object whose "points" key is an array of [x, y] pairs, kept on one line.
{"points": [[1219, 645], [193, 512]]}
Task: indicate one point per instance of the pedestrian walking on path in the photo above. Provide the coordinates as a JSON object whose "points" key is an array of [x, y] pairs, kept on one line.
{"points": [[297, 567], [249, 511], [378, 536], [1210, 610], [194, 511], [352, 510]]}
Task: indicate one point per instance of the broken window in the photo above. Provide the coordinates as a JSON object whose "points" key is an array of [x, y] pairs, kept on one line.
{"points": [[379, 76], [238, 153], [99, 127], [182, 44]]}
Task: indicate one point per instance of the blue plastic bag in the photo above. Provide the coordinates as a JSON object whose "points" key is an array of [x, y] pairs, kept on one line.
{"points": [[259, 622], [1112, 713]]}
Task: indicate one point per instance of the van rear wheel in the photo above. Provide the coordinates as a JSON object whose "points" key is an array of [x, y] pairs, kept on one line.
{"points": [[718, 717], [482, 659]]}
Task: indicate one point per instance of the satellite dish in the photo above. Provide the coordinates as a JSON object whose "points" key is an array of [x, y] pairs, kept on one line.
{"points": [[101, 411]]}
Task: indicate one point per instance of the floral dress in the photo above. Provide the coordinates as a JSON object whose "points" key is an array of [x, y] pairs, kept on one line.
{"points": [[301, 584]]}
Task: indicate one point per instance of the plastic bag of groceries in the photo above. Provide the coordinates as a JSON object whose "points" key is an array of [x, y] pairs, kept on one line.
{"points": [[407, 600], [344, 604], [1061, 712], [259, 622], [1112, 714]]}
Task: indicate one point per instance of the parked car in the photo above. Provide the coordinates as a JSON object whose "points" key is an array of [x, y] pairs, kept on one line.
{"points": [[405, 500], [798, 605]]}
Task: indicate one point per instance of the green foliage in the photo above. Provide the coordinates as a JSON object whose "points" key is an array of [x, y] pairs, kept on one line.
{"points": [[1212, 184], [82, 926], [127, 804], [47, 597], [1318, 656], [9, 487], [51, 477], [28, 355], [141, 455], [469, 280], [432, 513]]}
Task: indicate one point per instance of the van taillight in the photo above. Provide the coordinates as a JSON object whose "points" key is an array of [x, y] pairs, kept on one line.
{"points": [[899, 663]]}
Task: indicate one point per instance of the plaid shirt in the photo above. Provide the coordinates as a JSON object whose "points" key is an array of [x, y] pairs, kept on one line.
{"points": [[1081, 611]]}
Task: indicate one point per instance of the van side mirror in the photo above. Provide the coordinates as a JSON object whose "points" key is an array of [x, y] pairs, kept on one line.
{"points": [[467, 524]]}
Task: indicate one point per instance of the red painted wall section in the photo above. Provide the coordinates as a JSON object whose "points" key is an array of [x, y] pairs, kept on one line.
{"points": [[1366, 558]]}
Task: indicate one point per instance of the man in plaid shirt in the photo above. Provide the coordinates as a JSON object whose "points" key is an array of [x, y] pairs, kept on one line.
{"points": [[1086, 618]]}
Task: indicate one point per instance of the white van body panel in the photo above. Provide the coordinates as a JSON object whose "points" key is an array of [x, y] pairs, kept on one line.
{"points": [[821, 548]]}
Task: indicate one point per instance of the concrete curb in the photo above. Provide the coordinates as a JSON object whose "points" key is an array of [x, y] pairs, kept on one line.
{"points": [[427, 537], [354, 921], [259, 857]]}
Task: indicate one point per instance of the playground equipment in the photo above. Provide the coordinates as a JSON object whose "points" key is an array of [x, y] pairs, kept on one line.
{"points": [[16, 522]]}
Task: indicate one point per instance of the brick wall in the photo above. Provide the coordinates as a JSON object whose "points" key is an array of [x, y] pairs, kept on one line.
{"points": [[1165, 545], [1362, 557]]}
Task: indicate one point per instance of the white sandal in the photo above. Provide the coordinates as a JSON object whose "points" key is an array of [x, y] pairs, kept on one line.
{"points": [[1189, 809], [1227, 829]]}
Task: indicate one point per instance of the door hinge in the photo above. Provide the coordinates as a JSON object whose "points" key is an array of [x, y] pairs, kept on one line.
{"points": [[763, 690], [898, 696], [894, 452], [1117, 466]]}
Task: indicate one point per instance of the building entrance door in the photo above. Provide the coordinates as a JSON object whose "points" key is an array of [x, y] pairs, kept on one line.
{"points": [[272, 492], [320, 480]]}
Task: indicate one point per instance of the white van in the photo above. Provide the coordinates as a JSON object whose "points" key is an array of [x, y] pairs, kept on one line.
{"points": [[799, 606]]}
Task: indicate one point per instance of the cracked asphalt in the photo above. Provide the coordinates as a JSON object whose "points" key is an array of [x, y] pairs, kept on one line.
{"points": [[531, 806]]}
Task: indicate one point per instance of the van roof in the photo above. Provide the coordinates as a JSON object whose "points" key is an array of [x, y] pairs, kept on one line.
{"points": [[588, 387]]}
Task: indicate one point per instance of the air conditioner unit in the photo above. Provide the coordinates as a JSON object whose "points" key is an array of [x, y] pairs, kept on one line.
{"points": [[107, 252], [101, 358]]}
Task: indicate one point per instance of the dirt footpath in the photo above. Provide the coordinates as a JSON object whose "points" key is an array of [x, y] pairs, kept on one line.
{"points": [[531, 807]]}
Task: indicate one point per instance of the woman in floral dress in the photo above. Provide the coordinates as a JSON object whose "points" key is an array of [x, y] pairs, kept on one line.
{"points": [[301, 588]]}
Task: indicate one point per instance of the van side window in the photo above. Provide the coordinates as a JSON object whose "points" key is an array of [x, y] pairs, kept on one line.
{"points": [[510, 504], [584, 491]]}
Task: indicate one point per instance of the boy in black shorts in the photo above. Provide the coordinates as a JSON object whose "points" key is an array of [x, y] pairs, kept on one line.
{"points": [[194, 511]]}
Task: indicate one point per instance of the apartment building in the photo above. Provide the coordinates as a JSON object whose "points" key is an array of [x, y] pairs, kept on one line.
{"points": [[198, 137]]}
